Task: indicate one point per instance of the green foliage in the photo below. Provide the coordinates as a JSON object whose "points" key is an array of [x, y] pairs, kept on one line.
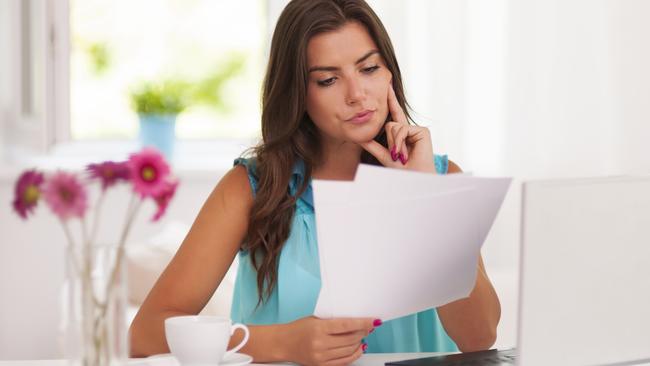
{"points": [[100, 57], [173, 96], [208, 91], [165, 97]]}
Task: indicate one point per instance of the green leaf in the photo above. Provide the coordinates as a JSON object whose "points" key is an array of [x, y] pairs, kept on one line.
{"points": [[173, 96]]}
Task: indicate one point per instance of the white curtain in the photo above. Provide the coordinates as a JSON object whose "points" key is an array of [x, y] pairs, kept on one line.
{"points": [[529, 88]]}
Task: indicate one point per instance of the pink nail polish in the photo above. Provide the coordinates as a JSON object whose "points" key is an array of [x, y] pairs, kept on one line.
{"points": [[364, 347], [393, 155], [377, 322], [401, 158]]}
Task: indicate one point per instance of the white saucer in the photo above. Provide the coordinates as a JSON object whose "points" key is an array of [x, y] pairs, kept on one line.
{"points": [[167, 359]]}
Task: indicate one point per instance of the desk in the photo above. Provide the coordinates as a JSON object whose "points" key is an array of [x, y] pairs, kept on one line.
{"points": [[370, 359]]}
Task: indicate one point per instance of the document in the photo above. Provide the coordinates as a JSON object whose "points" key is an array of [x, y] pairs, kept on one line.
{"points": [[395, 242]]}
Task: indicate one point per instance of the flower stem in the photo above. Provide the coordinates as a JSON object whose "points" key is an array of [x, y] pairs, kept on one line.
{"points": [[71, 245], [131, 213], [96, 217], [88, 244]]}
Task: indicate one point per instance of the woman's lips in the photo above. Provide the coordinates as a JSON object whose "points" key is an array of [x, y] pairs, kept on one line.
{"points": [[362, 117]]}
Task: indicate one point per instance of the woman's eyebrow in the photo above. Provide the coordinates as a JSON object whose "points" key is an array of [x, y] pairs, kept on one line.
{"points": [[334, 68]]}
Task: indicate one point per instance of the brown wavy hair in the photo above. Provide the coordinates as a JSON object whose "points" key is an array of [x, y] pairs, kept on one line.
{"points": [[288, 134]]}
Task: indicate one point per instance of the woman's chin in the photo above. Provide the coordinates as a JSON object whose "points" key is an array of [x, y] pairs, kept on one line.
{"points": [[362, 134]]}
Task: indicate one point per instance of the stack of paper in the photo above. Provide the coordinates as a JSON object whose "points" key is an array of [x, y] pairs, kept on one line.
{"points": [[395, 242]]}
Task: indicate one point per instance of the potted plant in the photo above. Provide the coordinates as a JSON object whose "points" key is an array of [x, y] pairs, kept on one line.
{"points": [[159, 103]]}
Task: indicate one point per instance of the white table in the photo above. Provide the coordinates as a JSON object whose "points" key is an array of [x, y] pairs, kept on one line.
{"points": [[371, 359]]}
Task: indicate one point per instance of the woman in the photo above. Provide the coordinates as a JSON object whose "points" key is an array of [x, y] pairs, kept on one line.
{"points": [[332, 98]]}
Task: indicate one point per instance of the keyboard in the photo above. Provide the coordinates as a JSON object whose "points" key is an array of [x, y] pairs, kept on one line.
{"points": [[481, 358]]}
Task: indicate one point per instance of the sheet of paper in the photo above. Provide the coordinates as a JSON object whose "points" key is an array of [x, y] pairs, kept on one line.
{"points": [[370, 180], [387, 252]]}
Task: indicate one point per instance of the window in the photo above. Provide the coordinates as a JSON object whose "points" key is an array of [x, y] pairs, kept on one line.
{"points": [[33, 67], [72, 63], [115, 45]]}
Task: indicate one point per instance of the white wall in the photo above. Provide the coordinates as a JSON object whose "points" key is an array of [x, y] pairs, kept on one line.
{"points": [[4, 71], [31, 273], [579, 88]]}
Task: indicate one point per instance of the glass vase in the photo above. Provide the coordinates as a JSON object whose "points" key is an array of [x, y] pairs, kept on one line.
{"points": [[95, 306]]}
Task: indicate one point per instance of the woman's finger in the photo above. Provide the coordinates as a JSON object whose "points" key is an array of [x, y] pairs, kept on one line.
{"points": [[378, 151], [388, 127], [394, 108], [343, 351], [348, 325], [346, 340], [394, 151], [400, 137], [346, 360]]}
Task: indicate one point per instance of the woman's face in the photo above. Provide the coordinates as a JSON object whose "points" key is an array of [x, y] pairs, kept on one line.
{"points": [[347, 76]]}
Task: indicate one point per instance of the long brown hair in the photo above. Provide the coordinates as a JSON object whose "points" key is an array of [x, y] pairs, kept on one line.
{"points": [[288, 134]]}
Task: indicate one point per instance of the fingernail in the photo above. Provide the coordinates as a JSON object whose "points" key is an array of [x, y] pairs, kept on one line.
{"points": [[393, 155], [401, 158], [377, 322], [364, 347]]}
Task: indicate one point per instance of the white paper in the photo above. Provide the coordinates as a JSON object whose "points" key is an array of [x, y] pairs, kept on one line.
{"points": [[491, 191], [395, 242]]}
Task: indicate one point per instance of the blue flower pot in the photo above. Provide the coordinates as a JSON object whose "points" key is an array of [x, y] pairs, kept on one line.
{"points": [[158, 131]]}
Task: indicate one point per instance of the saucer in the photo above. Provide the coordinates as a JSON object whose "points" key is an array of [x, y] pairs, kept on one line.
{"points": [[167, 359]]}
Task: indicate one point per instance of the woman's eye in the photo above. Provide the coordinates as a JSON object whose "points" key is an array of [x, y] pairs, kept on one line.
{"points": [[370, 70], [330, 81], [326, 82]]}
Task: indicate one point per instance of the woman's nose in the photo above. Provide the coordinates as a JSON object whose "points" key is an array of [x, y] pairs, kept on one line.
{"points": [[355, 91]]}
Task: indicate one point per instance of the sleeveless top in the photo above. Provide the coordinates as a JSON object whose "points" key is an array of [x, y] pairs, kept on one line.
{"points": [[298, 283]]}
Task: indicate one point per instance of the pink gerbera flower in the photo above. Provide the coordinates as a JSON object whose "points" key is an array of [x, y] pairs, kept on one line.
{"points": [[109, 172], [162, 200], [27, 192], [149, 172], [65, 195]]}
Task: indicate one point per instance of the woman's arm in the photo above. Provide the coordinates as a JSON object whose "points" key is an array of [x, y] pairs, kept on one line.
{"points": [[196, 271], [198, 267], [472, 322]]}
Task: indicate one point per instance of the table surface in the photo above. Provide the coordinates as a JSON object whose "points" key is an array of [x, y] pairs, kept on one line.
{"points": [[365, 360]]}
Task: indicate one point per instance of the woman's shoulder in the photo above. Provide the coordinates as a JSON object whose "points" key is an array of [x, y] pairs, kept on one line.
{"points": [[234, 190], [249, 166], [453, 168]]}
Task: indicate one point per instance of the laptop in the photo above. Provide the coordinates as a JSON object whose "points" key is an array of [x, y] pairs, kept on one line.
{"points": [[584, 278]]}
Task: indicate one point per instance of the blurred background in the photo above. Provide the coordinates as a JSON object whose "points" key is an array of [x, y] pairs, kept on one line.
{"points": [[522, 88]]}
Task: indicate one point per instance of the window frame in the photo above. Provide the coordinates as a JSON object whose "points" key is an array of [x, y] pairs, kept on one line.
{"points": [[38, 129]]}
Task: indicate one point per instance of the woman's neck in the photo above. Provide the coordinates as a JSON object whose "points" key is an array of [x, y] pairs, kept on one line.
{"points": [[340, 161]]}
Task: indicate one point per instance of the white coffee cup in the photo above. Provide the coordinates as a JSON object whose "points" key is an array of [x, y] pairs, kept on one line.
{"points": [[200, 340]]}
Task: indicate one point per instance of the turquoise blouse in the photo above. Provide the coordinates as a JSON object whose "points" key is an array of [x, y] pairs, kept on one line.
{"points": [[298, 283]]}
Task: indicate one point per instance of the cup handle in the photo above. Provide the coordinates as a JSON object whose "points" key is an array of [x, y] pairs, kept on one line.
{"points": [[243, 342]]}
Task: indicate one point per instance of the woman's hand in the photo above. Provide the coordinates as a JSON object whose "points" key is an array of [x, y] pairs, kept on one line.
{"points": [[314, 341], [409, 147]]}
